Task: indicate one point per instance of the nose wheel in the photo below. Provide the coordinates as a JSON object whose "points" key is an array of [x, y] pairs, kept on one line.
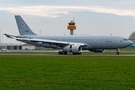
{"points": [[117, 51]]}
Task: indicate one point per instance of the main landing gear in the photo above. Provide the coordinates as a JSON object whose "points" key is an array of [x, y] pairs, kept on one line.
{"points": [[117, 51], [76, 53], [65, 53], [62, 53]]}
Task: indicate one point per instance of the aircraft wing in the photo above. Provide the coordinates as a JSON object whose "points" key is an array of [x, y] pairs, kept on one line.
{"points": [[54, 42]]}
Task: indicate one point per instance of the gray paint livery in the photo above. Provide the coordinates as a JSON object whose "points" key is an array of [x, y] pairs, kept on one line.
{"points": [[72, 43]]}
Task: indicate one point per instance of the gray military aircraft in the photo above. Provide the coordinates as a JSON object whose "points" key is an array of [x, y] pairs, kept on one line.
{"points": [[73, 43]]}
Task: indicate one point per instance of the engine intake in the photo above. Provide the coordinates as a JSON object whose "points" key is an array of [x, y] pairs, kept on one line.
{"points": [[73, 48]]}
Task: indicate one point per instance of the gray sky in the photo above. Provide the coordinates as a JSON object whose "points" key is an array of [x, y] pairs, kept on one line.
{"points": [[51, 17]]}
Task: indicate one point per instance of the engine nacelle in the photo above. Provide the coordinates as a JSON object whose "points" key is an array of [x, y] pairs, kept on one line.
{"points": [[39, 44], [97, 50], [73, 48]]}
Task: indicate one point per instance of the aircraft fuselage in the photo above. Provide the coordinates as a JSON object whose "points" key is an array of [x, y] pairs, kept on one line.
{"points": [[93, 42]]}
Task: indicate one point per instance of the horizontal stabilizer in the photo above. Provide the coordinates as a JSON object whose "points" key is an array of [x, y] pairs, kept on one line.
{"points": [[10, 36]]}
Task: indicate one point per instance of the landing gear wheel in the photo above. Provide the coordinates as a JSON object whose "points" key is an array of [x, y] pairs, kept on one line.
{"points": [[76, 53], [59, 53], [62, 53], [117, 53], [65, 53]]}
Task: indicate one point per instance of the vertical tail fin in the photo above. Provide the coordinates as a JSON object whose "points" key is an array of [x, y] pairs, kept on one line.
{"points": [[23, 27], [132, 37]]}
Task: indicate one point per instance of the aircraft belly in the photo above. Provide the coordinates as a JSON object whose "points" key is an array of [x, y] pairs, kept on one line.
{"points": [[87, 47], [103, 45]]}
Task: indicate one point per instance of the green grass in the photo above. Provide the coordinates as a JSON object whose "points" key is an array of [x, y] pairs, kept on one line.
{"points": [[67, 73]]}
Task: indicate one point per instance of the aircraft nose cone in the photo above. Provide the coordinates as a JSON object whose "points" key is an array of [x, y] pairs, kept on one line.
{"points": [[130, 42]]}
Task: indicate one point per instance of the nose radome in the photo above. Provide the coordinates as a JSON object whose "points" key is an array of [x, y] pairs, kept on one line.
{"points": [[130, 42]]}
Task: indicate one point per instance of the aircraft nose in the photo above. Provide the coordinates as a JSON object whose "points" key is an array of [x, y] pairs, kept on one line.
{"points": [[130, 42]]}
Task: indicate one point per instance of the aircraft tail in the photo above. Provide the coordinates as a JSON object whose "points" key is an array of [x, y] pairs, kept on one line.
{"points": [[23, 27], [132, 37]]}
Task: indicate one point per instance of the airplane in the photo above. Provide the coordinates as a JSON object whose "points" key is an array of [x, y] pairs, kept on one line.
{"points": [[72, 43]]}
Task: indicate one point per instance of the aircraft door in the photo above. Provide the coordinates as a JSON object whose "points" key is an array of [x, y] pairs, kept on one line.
{"points": [[96, 40], [117, 42]]}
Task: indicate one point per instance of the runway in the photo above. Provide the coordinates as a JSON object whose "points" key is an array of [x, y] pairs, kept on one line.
{"points": [[65, 55], [55, 53]]}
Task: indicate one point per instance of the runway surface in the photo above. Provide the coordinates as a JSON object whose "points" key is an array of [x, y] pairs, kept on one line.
{"points": [[66, 55]]}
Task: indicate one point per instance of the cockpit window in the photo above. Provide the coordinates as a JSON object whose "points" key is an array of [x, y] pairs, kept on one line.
{"points": [[125, 39]]}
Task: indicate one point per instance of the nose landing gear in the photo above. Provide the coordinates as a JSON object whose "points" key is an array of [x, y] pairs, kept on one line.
{"points": [[117, 51]]}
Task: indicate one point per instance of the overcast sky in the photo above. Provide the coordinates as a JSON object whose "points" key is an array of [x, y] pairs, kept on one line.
{"points": [[51, 17]]}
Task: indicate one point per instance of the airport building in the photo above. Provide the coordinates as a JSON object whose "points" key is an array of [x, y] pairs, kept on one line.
{"points": [[16, 46], [28, 47], [10, 46]]}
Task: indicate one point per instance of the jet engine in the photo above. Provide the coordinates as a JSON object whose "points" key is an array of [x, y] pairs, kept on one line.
{"points": [[39, 44], [75, 49]]}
